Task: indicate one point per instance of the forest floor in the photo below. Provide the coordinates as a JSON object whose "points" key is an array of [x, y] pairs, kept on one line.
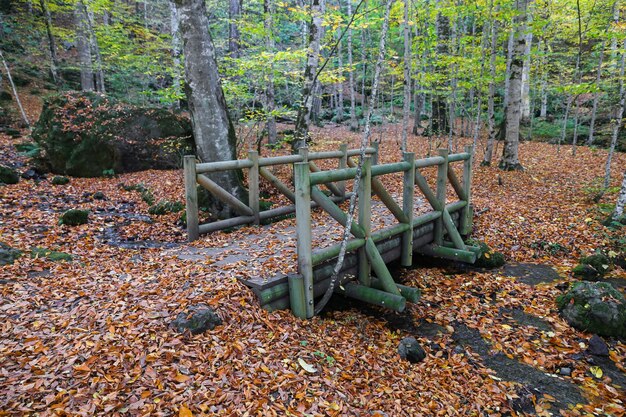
{"points": [[91, 336]]}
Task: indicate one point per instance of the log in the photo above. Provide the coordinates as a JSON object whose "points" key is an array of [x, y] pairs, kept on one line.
{"points": [[191, 197], [411, 294], [373, 296]]}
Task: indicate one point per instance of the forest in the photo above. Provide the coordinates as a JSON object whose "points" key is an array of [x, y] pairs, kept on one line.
{"points": [[312, 207]]}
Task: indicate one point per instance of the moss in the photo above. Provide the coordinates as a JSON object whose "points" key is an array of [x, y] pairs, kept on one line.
{"points": [[598, 261], [58, 180], [488, 258], [75, 217], [585, 272], [50, 255], [165, 207], [8, 255], [147, 197], [8, 175]]}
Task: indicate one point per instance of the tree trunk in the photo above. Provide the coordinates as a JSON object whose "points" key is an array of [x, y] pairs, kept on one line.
{"points": [[269, 88], [354, 124], [176, 51], [509, 57], [543, 111], [439, 123], [406, 109], [234, 36], [83, 48], [617, 122], [525, 111], [510, 156], [621, 200], [491, 120], [596, 96], [303, 120], [95, 48], [214, 133], [17, 97], [54, 61], [340, 83]]}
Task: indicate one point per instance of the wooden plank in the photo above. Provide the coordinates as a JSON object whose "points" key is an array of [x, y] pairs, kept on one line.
{"points": [[365, 219], [207, 167], [303, 232], [456, 184], [253, 186], [324, 177], [335, 212], [454, 254], [297, 297], [332, 187], [343, 164], [279, 160], [442, 181], [191, 197], [465, 225], [408, 190], [224, 196], [385, 169], [373, 296], [380, 268], [225, 224]]}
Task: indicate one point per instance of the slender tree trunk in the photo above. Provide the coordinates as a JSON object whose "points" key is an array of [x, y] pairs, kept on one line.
{"points": [[83, 48], [564, 128], [303, 120], [54, 61], [621, 200], [363, 67], [510, 156], [526, 75], [509, 57], [17, 96], [406, 109], [234, 36], [491, 120], [176, 51], [269, 88], [617, 122], [543, 111], [340, 84], [214, 133], [579, 76], [95, 48], [439, 123], [596, 96], [354, 124]]}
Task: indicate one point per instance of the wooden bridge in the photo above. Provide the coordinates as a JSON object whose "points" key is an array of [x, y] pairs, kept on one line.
{"points": [[364, 274]]}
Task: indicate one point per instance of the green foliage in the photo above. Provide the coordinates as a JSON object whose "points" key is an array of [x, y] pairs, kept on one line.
{"points": [[109, 173], [74, 217], [166, 207], [28, 149]]}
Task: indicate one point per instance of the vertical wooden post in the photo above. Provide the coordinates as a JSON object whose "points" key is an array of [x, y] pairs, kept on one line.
{"points": [[304, 152], [442, 182], [253, 186], [343, 163], [296, 295], [408, 194], [466, 219], [376, 147], [365, 218], [303, 233], [191, 197]]}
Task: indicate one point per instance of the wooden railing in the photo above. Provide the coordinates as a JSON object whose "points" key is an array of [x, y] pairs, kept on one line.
{"points": [[249, 212]]}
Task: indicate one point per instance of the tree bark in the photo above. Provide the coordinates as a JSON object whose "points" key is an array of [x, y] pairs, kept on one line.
{"points": [[270, 104], [439, 122], [525, 111], [509, 57], [95, 48], [17, 97], [354, 124], [303, 120], [621, 200], [54, 61], [83, 48], [510, 156], [234, 35], [491, 120], [596, 96], [176, 51], [214, 133], [617, 122], [406, 109]]}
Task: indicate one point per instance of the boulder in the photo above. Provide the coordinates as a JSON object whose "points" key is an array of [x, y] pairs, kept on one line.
{"points": [[598, 261], [409, 349], [50, 255], [59, 180], [597, 346], [594, 307], [197, 319], [8, 255], [8, 175], [75, 217], [586, 272], [488, 258], [90, 135]]}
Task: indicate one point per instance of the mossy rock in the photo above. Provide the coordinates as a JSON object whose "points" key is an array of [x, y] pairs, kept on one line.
{"points": [[89, 134], [75, 217], [598, 261], [8, 255], [165, 207], [595, 307], [58, 180], [50, 255], [488, 258], [8, 175], [586, 272], [29, 149]]}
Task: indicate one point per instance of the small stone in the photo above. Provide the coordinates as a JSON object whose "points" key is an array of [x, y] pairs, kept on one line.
{"points": [[197, 319], [597, 346], [99, 195], [458, 349], [586, 272], [75, 217], [59, 180], [565, 371], [8, 175], [410, 350], [33, 174]]}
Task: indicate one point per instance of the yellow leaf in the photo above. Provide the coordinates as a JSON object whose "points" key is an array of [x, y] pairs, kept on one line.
{"points": [[181, 378], [486, 254], [184, 411], [506, 327], [309, 368], [596, 371], [588, 220]]}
